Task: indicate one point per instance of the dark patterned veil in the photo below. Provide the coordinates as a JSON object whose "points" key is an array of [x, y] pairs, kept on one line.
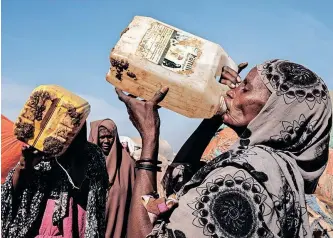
{"points": [[257, 188]]}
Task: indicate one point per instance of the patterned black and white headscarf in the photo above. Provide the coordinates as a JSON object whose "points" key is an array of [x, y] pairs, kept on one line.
{"points": [[301, 123], [257, 188]]}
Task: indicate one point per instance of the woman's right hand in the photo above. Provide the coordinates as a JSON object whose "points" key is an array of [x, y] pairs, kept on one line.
{"points": [[230, 77], [144, 114], [30, 157]]}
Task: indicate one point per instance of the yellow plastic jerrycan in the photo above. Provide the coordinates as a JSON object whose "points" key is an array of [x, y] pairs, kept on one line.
{"points": [[51, 118]]}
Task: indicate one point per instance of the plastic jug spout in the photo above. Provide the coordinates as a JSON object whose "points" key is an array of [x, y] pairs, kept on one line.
{"points": [[222, 107]]}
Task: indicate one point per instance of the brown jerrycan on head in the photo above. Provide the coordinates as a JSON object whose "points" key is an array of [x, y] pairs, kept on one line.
{"points": [[51, 118]]}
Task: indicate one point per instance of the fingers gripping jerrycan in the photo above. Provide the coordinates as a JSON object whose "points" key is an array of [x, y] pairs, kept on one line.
{"points": [[151, 54]]}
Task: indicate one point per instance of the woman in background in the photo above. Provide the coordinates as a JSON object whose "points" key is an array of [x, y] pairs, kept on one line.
{"points": [[120, 168], [129, 145]]}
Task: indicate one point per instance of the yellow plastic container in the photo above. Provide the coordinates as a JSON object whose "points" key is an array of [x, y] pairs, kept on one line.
{"points": [[151, 54], [51, 118]]}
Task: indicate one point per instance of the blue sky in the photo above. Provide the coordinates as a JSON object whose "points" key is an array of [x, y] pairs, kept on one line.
{"points": [[67, 42]]}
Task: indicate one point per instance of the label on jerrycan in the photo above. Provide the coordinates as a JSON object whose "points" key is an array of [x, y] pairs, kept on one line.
{"points": [[174, 50]]}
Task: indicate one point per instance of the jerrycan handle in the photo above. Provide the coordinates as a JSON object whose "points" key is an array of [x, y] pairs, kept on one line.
{"points": [[225, 60]]}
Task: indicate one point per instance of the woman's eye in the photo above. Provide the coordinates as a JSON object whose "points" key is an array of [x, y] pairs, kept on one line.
{"points": [[245, 88]]}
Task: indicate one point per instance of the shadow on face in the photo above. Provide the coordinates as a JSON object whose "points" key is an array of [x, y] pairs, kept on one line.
{"points": [[245, 101], [105, 139]]}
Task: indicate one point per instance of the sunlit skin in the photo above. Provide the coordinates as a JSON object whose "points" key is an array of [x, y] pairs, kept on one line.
{"points": [[245, 101], [105, 140]]}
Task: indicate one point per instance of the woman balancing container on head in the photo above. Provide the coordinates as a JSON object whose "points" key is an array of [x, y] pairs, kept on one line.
{"points": [[283, 115], [120, 167], [59, 186]]}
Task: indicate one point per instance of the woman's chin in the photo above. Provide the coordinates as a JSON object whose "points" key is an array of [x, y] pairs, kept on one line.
{"points": [[226, 118], [228, 121]]}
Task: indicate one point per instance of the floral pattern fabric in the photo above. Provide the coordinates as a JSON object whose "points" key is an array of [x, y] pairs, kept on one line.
{"points": [[257, 188]]}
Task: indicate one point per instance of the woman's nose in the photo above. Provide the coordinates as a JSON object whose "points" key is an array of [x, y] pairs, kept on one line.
{"points": [[231, 93]]}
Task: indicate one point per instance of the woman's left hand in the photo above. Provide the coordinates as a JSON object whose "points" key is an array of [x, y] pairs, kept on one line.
{"points": [[144, 114], [230, 77]]}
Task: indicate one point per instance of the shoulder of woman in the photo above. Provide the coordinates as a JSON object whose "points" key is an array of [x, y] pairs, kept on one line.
{"points": [[263, 166], [254, 159], [128, 157]]}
